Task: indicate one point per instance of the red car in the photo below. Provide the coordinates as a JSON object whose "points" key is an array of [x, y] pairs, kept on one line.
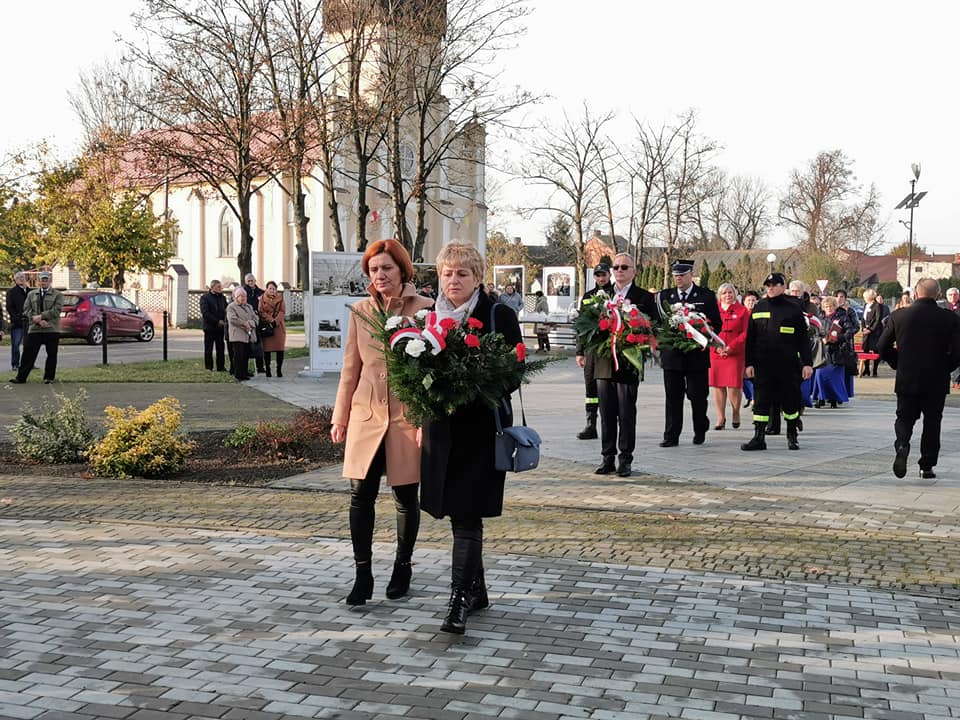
{"points": [[82, 316]]}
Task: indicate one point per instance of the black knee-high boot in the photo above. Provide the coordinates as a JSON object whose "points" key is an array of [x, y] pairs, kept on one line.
{"points": [[477, 598], [363, 496], [467, 554], [279, 363], [266, 364], [408, 527]]}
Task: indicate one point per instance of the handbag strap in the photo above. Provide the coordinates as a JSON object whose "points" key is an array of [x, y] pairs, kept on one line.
{"points": [[496, 415]]}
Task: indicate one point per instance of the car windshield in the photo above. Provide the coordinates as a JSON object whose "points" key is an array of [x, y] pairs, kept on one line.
{"points": [[71, 300]]}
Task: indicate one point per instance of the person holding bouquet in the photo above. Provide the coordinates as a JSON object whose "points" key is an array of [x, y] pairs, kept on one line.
{"points": [[830, 380], [371, 419], [618, 382], [457, 475], [727, 362], [686, 372]]}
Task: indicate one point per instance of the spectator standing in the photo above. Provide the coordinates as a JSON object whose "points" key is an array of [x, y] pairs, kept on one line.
{"points": [[953, 305], [254, 293], [750, 298], [922, 343], [242, 331], [542, 329], [872, 326], [16, 298], [492, 293], [273, 310], [601, 276], [213, 312], [727, 363], [41, 312], [830, 380], [904, 300], [512, 299]]}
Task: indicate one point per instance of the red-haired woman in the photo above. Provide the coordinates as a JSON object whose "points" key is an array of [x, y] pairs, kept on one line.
{"points": [[379, 438]]}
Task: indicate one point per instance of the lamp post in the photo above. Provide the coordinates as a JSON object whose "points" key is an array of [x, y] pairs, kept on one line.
{"points": [[771, 258], [910, 202]]}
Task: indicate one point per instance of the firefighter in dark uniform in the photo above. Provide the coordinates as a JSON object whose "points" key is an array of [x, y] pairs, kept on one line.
{"points": [[601, 274], [778, 359]]}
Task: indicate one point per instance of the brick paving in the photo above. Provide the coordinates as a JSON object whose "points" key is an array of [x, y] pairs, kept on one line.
{"points": [[678, 592]]}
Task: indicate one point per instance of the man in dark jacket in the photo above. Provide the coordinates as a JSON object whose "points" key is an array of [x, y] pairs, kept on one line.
{"points": [[687, 373], [617, 388], [926, 350], [213, 310], [778, 360], [601, 275], [16, 298]]}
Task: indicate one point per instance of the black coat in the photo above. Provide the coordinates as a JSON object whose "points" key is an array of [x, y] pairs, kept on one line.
{"points": [[705, 302], [603, 366], [927, 347], [457, 477], [16, 297], [872, 321], [213, 308]]}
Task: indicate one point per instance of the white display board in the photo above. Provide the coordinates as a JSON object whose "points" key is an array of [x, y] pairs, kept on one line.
{"points": [[560, 287], [515, 275], [336, 282]]}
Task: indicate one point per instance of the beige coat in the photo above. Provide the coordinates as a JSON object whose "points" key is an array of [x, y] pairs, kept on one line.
{"points": [[274, 311], [237, 315], [370, 412]]}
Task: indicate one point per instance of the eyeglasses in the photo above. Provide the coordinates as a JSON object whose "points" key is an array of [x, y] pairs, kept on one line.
{"points": [[621, 267]]}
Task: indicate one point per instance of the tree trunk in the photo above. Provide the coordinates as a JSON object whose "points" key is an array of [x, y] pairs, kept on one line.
{"points": [[245, 256]]}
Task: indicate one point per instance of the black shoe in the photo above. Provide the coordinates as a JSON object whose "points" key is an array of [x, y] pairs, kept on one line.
{"points": [[624, 470], [799, 425], [399, 583], [17, 381], [588, 433], [605, 469], [456, 620], [279, 372], [669, 443], [48, 382], [699, 438], [927, 474], [900, 463], [268, 373], [476, 597], [818, 404], [792, 443], [833, 404], [362, 589]]}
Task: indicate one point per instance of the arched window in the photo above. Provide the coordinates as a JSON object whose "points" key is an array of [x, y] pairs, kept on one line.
{"points": [[226, 233]]}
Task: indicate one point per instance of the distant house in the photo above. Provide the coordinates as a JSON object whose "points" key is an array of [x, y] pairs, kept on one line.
{"points": [[932, 266]]}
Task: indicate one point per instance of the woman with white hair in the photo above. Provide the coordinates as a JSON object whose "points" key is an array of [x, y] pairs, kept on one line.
{"points": [[242, 328], [872, 326]]}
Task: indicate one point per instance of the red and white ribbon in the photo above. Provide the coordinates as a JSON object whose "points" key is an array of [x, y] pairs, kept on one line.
{"points": [[433, 334], [616, 325]]}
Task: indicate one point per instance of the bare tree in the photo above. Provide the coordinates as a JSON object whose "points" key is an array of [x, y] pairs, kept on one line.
{"points": [[828, 209], [733, 213], [643, 164], [106, 103], [563, 161], [208, 100], [446, 91]]}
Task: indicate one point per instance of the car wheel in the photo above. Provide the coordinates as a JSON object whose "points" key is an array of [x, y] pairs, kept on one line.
{"points": [[95, 335], [146, 332]]}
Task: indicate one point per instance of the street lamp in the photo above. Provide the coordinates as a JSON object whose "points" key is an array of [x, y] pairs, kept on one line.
{"points": [[910, 202], [771, 258]]}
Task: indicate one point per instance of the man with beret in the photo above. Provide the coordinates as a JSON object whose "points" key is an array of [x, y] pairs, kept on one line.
{"points": [[687, 373], [41, 312], [601, 274], [778, 359]]}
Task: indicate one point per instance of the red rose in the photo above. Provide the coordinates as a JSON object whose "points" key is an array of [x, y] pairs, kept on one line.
{"points": [[604, 324], [471, 341], [474, 323], [634, 322], [448, 323], [634, 312], [631, 338], [521, 352], [689, 336]]}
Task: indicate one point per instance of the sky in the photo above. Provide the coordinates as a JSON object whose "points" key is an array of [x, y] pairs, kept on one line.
{"points": [[773, 83]]}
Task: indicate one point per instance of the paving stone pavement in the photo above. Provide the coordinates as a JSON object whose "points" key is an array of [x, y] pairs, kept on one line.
{"points": [[711, 584]]}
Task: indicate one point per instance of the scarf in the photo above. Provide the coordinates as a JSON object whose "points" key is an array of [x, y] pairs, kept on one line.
{"points": [[445, 308]]}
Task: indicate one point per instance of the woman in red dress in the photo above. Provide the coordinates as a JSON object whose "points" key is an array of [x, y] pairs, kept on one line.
{"points": [[726, 364]]}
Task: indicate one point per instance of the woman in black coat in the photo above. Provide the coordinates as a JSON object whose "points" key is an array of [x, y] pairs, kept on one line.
{"points": [[457, 477]]}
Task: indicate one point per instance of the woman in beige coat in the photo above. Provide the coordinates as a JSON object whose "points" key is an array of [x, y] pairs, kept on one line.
{"points": [[371, 420], [241, 328], [273, 310]]}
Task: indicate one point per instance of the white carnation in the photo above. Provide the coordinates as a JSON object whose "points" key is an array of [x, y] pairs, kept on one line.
{"points": [[422, 314], [415, 347], [393, 322]]}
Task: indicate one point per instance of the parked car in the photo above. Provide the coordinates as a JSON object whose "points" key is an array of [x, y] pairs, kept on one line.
{"points": [[82, 316]]}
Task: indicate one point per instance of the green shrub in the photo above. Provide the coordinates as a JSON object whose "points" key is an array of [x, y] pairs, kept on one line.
{"points": [[143, 443], [306, 434], [56, 432]]}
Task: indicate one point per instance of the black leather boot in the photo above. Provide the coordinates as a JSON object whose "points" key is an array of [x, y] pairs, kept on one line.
{"points": [[280, 363], [477, 598], [399, 583], [407, 504], [792, 443], [757, 442], [456, 620], [773, 425], [589, 432], [362, 589]]}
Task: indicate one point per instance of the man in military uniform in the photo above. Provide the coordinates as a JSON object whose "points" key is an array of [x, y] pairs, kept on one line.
{"points": [[601, 274], [778, 360], [686, 373]]}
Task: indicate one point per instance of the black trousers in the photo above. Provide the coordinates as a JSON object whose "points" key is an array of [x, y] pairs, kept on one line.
{"points": [[909, 409], [239, 356], [618, 419], [694, 384], [589, 383], [213, 340], [467, 556], [31, 348], [773, 388]]}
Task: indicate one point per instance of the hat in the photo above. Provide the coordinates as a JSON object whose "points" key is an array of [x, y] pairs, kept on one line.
{"points": [[775, 279], [44, 275], [601, 268], [682, 267]]}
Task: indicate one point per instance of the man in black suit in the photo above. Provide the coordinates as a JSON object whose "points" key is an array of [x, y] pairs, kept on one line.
{"points": [[686, 373], [601, 275], [213, 311], [927, 348], [617, 388]]}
